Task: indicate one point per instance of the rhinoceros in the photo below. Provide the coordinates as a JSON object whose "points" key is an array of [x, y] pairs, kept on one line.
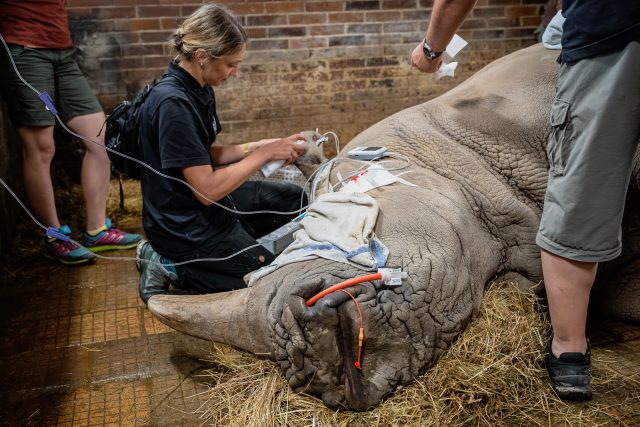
{"points": [[477, 156]]}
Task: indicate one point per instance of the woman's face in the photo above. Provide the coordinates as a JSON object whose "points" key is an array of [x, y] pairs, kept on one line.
{"points": [[216, 71]]}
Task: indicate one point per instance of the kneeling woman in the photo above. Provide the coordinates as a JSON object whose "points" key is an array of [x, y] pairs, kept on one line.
{"points": [[178, 127]]}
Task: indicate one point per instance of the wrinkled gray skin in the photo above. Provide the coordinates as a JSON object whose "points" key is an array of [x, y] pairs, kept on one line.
{"points": [[477, 155]]}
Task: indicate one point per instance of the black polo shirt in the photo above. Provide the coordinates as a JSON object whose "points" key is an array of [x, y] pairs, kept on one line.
{"points": [[178, 126], [594, 27]]}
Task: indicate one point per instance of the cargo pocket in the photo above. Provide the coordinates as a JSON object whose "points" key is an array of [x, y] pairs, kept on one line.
{"points": [[559, 139]]}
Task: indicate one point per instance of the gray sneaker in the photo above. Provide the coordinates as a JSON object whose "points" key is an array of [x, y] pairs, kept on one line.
{"points": [[155, 279]]}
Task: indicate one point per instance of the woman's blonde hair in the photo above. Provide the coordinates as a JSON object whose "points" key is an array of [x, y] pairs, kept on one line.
{"points": [[211, 27]]}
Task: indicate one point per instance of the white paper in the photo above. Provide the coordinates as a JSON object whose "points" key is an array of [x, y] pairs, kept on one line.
{"points": [[373, 177], [448, 68]]}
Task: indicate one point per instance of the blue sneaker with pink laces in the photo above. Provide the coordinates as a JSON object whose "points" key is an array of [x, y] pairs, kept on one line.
{"points": [[109, 238], [66, 251]]}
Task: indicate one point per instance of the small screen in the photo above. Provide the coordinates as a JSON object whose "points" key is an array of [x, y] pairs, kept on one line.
{"points": [[372, 149]]}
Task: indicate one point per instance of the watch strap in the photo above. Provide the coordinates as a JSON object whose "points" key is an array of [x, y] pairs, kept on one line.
{"points": [[429, 53]]}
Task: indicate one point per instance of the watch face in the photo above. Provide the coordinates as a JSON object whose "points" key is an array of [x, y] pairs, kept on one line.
{"points": [[430, 54]]}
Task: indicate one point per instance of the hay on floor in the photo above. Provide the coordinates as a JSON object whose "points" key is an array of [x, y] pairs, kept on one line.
{"points": [[492, 375]]}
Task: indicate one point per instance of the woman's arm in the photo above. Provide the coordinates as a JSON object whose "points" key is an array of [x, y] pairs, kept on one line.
{"points": [[226, 154], [216, 184]]}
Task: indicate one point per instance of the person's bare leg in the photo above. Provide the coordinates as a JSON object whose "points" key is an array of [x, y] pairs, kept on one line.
{"points": [[568, 284], [96, 171], [38, 148]]}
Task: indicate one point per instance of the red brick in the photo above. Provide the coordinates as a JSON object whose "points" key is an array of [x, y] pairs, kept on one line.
{"points": [[170, 23], [158, 11], [324, 30], [416, 15], [130, 62], [483, 12], [364, 28], [502, 22], [264, 20], [362, 5], [154, 36], [382, 16], [476, 23], [284, 7], [287, 31], [347, 63], [382, 61], [529, 21], [518, 11], [155, 61], [256, 33], [130, 2], [324, 6], [176, 2], [136, 24], [487, 34], [520, 33], [399, 4], [268, 44], [504, 1], [401, 27], [346, 17], [79, 12], [247, 8], [187, 10], [314, 42], [114, 12], [308, 18], [84, 3]]}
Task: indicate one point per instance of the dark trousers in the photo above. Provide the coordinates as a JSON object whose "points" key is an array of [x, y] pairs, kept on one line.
{"points": [[219, 276]]}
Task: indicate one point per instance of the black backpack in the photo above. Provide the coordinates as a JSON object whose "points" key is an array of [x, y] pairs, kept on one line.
{"points": [[122, 135]]}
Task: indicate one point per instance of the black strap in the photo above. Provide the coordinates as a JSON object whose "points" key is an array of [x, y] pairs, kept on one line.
{"points": [[121, 193]]}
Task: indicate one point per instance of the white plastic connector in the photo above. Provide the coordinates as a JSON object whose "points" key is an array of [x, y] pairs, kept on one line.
{"points": [[392, 276]]}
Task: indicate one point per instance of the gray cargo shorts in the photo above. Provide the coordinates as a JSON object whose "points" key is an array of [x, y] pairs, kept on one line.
{"points": [[595, 130]]}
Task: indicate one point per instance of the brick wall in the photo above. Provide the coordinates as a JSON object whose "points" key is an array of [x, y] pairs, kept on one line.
{"points": [[332, 64]]}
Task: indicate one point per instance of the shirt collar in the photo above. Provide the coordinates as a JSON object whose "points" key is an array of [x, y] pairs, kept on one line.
{"points": [[202, 94]]}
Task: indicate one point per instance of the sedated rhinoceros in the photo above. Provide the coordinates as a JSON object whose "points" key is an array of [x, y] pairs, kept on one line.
{"points": [[478, 158]]}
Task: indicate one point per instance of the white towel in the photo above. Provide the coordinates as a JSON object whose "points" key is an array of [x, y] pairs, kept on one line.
{"points": [[339, 227]]}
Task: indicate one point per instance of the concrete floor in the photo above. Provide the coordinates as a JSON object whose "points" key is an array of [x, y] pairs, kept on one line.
{"points": [[78, 348]]}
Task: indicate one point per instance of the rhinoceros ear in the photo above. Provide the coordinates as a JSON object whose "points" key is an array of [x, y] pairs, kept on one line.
{"points": [[228, 317]]}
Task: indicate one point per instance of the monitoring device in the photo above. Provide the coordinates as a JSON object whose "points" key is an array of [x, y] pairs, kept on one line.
{"points": [[367, 153], [278, 240]]}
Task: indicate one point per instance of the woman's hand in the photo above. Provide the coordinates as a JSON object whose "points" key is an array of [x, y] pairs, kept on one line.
{"points": [[283, 149]]}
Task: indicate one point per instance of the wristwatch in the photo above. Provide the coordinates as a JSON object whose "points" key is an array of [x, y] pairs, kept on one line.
{"points": [[428, 52]]}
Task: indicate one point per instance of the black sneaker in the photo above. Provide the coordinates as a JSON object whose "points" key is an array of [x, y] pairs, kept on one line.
{"points": [[155, 279], [570, 374]]}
